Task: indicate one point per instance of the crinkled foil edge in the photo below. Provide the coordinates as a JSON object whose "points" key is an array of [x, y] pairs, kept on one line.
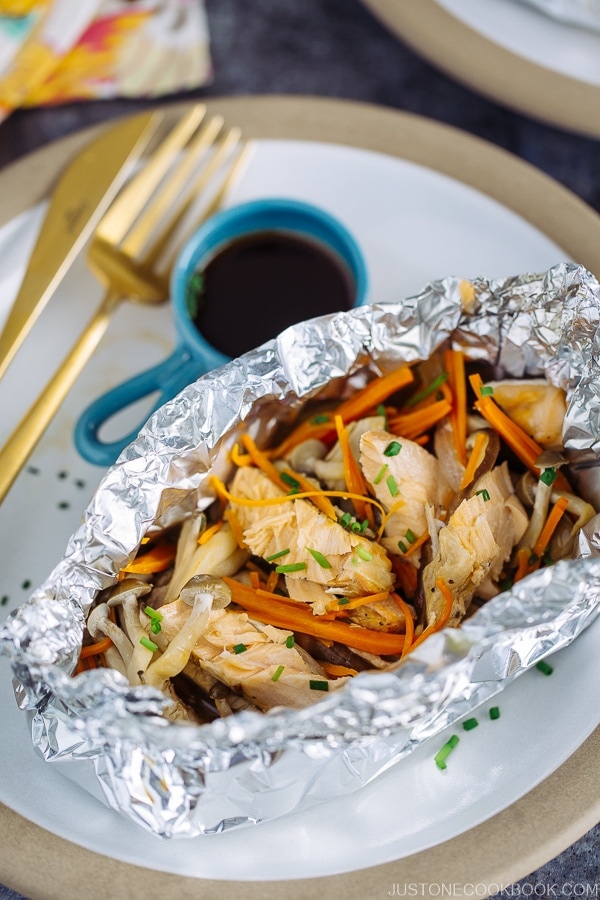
{"points": [[182, 781]]}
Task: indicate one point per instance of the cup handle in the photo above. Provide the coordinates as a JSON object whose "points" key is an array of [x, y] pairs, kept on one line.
{"points": [[169, 377]]}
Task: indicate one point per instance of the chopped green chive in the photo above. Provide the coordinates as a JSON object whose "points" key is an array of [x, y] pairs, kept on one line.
{"points": [[289, 479], [357, 528], [485, 494], [364, 554], [380, 474], [430, 389], [155, 626], [290, 641], [410, 536], [64, 504], [487, 390], [393, 448], [318, 685], [470, 724], [392, 485], [292, 567], [343, 600], [382, 412], [26, 584], [277, 555], [322, 560], [494, 713], [240, 648], [4, 600], [346, 519], [544, 667], [402, 546], [320, 419], [277, 673], [148, 644], [548, 476], [443, 754], [364, 525], [506, 584], [153, 613]]}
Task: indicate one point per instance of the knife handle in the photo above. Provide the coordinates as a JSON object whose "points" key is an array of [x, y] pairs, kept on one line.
{"points": [[32, 426]]}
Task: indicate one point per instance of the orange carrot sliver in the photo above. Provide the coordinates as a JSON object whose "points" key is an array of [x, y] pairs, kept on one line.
{"points": [[412, 425], [454, 361], [283, 615], [355, 480], [157, 559], [410, 625], [95, 649], [477, 454], [206, 535], [374, 393], [554, 517]]}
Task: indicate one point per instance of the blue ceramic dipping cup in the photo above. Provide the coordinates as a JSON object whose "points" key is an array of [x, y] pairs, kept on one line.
{"points": [[194, 355]]}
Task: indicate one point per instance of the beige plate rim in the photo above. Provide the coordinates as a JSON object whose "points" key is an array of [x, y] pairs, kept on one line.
{"points": [[555, 813], [490, 69]]}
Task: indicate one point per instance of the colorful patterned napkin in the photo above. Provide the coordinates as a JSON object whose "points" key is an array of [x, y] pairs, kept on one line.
{"points": [[55, 51]]}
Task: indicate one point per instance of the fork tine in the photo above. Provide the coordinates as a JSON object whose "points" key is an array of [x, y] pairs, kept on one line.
{"points": [[158, 209], [185, 217], [125, 209]]}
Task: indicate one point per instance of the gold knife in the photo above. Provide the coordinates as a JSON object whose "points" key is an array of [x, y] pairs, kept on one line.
{"points": [[81, 197]]}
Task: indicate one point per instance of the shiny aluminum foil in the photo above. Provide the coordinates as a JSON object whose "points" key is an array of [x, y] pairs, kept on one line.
{"points": [[585, 13], [180, 780]]}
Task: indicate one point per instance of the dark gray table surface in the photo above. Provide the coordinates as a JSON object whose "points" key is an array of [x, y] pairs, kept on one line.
{"points": [[336, 48]]}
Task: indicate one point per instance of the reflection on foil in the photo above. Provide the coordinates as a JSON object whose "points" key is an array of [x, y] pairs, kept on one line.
{"points": [[180, 781]]}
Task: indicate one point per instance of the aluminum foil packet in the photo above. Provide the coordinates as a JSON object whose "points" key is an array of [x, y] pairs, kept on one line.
{"points": [[584, 13], [183, 780]]}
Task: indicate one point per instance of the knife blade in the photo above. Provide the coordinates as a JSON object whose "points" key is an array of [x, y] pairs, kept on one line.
{"points": [[81, 197]]}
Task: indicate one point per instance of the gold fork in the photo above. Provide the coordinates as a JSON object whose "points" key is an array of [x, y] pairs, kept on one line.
{"points": [[131, 251]]}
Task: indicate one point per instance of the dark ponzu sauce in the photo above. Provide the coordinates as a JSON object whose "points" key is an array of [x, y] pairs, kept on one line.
{"points": [[259, 284]]}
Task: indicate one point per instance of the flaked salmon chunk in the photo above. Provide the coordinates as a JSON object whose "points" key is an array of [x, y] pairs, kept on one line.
{"points": [[475, 544], [417, 482], [355, 564], [250, 671]]}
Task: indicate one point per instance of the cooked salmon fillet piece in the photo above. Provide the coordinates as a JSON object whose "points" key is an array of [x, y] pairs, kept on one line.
{"points": [[355, 565]]}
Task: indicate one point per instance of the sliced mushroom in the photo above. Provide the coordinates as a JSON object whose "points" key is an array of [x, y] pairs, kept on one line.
{"points": [[127, 596], [200, 593], [100, 625]]}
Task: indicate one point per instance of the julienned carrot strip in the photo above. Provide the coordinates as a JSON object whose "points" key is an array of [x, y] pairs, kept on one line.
{"points": [[523, 557], [239, 458], [206, 535], [518, 440], [454, 361], [412, 425], [283, 615], [362, 402], [304, 431], [355, 480], [477, 454], [319, 499], [374, 393], [222, 491], [357, 602], [410, 625], [554, 517], [334, 671], [271, 582], [262, 461], [157, 559], [94, 649], [236, 527], [422, 539]]}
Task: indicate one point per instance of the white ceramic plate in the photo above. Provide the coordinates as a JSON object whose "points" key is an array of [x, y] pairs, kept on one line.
{"points": [[414, 224], [528, 33], [509, 51]]}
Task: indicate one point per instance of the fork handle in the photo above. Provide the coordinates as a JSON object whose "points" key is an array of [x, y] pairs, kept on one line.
{"points": [[32, 426]]}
